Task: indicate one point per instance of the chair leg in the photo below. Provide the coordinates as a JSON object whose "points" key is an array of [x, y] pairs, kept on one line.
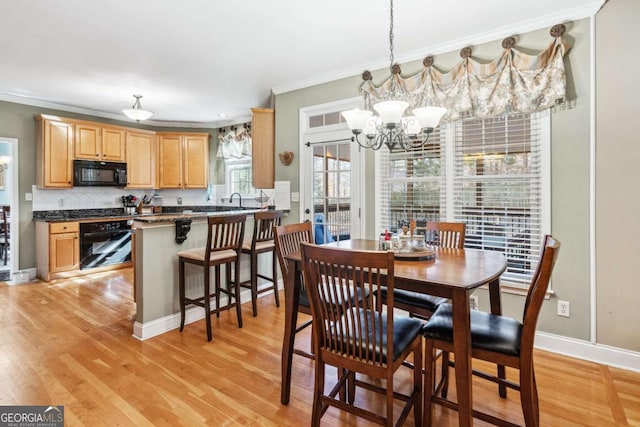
{"points": [[427, 390], [417, 384], [236, 284], [389, 399], [254, 283], [274, 275], [217, 270], [207, 301], [445, 374], [316, 412], [181, 292], [529, 397]]}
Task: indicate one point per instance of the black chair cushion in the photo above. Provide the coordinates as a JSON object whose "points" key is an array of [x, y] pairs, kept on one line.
{"points": [[405, 329], [490, 332], [415, 299]]}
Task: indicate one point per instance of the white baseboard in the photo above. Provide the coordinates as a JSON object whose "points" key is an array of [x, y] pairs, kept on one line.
{"points": [[585, 350], [21, 277], [143, 331]]}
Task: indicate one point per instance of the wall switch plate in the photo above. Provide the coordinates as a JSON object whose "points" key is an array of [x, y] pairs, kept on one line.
{"points": [[295, 196], [28, 197], [564, 308]]}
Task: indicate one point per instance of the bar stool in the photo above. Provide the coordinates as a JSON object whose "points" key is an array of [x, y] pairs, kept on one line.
{"points": [[224, 240], [262, 243]]}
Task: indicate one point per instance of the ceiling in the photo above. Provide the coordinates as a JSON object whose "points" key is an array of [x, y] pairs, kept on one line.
{"points": [[195, 59]]}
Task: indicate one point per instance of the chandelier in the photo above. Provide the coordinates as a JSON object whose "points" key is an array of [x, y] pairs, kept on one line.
{"points": [[391, 127], [136, 112]]}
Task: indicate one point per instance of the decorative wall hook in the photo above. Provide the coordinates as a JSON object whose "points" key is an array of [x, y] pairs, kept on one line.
{"points": [[286, 157]]}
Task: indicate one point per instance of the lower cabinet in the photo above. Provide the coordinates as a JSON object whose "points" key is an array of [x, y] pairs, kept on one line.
{"points": [[57, 248]]}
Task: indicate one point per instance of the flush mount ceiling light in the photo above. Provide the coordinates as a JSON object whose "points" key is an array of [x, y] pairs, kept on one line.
{"points": [[391, 127], [136, 112]]}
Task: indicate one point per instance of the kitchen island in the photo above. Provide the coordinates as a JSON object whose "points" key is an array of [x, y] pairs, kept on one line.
{"points": [[156, 269]]}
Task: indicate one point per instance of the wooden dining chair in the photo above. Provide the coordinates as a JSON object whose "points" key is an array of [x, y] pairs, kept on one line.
{"points": [[442, 234], [224, 241], [262, 242], [357, 335], [497, 339], [287, 240]]}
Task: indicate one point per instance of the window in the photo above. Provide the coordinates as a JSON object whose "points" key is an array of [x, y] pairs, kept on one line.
{"points": [[238, 174], [488, 173]]}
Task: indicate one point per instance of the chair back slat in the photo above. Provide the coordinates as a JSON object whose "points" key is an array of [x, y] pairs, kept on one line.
{"points": [[343, 323], [264, 224], [225, 232], [446, 234], [288, 238]]}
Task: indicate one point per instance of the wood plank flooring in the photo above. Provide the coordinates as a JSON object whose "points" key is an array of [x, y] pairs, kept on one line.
{"points": [[68, 342]]}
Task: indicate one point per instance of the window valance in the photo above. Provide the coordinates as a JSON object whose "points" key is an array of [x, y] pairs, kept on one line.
{"points": [[234, 144], [514, 82]]}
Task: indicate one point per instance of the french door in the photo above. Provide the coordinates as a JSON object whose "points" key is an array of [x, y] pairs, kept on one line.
{"points": [[330, 174]]}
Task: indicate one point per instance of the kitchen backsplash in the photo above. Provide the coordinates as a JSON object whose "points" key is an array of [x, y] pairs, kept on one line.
{"points": [[107, 197]]}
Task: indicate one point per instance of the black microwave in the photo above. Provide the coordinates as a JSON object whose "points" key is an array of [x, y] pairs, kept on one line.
{"points": [[90, 173]]}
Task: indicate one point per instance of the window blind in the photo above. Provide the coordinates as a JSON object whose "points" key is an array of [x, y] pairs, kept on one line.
{"points": [[411, 184], [497, 188]]}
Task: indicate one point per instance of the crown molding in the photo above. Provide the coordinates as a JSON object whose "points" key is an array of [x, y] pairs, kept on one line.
{"points": [[584, 11]]}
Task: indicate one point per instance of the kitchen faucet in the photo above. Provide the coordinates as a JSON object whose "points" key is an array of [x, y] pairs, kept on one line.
{"points": [[239, 197]]}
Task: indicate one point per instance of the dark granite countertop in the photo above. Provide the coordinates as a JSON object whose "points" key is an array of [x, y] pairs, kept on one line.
{"points": [[169, 214]]}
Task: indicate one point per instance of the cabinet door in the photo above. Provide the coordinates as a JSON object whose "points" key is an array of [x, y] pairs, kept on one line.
{"points": [[113, 145], [196, 161], [57, 158], [64, 252], [140, 151], [169, 161], [263, 147], [88, 141]]}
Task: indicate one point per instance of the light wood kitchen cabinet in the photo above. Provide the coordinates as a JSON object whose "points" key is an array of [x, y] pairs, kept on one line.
{"points": [[140, 159], [57, 249], [263, 147], [94, 142], [54, 153], [183, 160]]}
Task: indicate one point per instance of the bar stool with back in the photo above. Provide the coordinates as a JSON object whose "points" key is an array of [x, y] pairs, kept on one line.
{"points": [[224, 241], [262, 243]]}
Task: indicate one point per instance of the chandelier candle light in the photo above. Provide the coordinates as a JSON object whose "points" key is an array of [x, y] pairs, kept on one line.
{"points": [[391, 127], [136, 112]]}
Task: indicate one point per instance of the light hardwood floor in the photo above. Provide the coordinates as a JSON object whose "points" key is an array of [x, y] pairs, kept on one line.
{"points": [[69, 342]]}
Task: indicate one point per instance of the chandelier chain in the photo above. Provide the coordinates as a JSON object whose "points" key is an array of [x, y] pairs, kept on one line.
{"points": [[391, 39]]}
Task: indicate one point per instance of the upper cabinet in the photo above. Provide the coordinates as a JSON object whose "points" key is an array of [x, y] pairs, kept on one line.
{"points": [[183, 160], [263, 146], [95, 142], [54, 153], [140, 159]]}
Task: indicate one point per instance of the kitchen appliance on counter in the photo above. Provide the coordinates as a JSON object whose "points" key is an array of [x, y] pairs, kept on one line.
{"points": [[105, 243], [90, 173]]}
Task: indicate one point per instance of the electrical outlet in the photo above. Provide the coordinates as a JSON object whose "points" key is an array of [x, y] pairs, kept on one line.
{"points": [[564, 308], [179, 200], [473, 302]]}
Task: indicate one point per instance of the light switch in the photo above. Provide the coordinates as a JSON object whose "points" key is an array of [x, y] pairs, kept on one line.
{"points": [[28, 197], [295, 196]]}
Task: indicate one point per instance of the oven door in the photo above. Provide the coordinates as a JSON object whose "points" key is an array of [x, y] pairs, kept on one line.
{"points": [[104, 248]]}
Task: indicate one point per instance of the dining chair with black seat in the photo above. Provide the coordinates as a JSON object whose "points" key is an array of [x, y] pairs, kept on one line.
{"points": [[441, 234], [287, 241], [224, 241], [262, 242], [358, 335], [497, 339]]}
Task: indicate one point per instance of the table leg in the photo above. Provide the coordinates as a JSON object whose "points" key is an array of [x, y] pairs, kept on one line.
{"points": [[496, 308], [462, 350], [291, 294]]}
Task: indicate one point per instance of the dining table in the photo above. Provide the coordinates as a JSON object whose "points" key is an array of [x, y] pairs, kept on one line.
{"points": [[452, 273]]}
